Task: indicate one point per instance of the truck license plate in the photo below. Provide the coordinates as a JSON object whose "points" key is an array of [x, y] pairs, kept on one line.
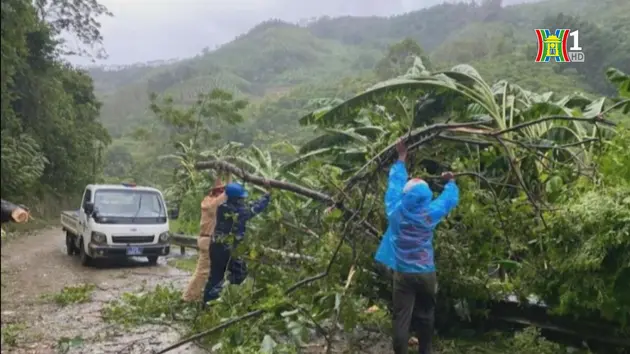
{"points": [[134, 251]]}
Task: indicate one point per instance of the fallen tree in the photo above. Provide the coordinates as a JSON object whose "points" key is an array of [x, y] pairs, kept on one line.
{"points": [[294, 188], [531, 252]]}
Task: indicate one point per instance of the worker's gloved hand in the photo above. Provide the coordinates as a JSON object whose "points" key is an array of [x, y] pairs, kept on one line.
{"points": [[401, 149], [448, 176]]}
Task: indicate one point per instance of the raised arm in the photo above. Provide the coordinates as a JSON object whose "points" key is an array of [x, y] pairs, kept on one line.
{"points": [[397, 178], [216, 195], [214, 202], [258, 206], [447, 201]]}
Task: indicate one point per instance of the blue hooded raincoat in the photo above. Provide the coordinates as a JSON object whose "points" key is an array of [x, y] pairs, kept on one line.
{"points": [[407, 246]]}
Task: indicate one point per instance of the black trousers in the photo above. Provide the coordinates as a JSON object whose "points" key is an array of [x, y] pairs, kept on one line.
{"points": [[221, 260], [414, 307]]}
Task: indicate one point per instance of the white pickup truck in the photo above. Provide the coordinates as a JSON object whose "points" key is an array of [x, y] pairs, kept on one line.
{"points": [[122, 220]]}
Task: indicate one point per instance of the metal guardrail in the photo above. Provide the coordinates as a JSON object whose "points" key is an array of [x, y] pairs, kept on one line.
{"points": [[185, 241]]}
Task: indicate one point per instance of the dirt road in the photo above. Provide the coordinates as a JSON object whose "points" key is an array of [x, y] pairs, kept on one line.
{"points": [[35, 265]]}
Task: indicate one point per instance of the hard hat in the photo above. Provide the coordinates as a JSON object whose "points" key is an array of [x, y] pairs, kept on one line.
{"points": [[235, 190]]}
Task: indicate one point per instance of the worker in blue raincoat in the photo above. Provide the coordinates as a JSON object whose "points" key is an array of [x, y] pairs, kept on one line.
{"points": [[407, 249], [232, 218]]}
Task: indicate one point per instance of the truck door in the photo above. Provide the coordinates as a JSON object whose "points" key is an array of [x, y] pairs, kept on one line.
{"points": [[83, 219]]}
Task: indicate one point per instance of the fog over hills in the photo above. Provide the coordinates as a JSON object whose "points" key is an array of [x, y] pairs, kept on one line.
{"points": [[149, 30]]}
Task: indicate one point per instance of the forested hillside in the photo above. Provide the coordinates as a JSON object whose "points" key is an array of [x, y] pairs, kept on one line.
{"points": [[281, 68], [52, 138]]}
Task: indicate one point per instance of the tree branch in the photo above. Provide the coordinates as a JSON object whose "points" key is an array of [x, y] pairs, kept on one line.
{"points": [[594, 120], [319, 196], [413, 139], [226, 166]]}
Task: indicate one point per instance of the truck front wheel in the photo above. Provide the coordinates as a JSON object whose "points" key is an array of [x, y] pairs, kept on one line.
{"points": [[86, 260], [152, 260]]}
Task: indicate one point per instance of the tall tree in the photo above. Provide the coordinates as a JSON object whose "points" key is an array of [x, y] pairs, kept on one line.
{"points": [[77, 18], [51, 137], [399, 58]]}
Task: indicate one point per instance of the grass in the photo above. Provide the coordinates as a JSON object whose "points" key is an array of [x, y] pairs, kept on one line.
{"points": [[12, 231], [163, 305], [73, 294], [185, 264], [64, 344], [10, 333], [160, 305]]}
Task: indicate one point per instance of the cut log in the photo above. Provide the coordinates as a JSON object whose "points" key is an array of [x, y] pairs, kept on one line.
{"points": [[13, 213]]}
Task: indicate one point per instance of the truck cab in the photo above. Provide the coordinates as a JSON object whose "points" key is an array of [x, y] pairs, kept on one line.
{"points": [[122, 220]]}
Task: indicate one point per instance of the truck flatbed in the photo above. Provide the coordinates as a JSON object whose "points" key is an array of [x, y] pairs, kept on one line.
{"points": [[70, 221]]}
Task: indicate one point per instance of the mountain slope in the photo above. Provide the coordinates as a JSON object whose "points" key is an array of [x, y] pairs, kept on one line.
{"points": [[280, 66]]}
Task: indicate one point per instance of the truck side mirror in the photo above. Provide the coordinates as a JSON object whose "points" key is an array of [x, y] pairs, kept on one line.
{"points": [[88, 207], [173, 214]]}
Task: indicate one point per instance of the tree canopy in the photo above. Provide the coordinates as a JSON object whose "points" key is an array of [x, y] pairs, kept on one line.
{"points": [[52, 139]]}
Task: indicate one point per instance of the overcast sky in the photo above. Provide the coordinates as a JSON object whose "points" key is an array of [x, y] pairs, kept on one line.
{"points": [[144, 30]]}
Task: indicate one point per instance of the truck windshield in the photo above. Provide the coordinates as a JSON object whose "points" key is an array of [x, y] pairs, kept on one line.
{"points": [[115, 206]]}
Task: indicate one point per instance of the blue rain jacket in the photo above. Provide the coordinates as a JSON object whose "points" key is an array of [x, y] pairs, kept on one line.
{"points": [[407, 246], [232, 216]]}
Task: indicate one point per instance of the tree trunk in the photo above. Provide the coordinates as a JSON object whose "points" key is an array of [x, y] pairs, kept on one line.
{"points": [[13, 213]]}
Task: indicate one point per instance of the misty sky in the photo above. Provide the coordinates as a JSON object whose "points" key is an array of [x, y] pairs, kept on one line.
{"points": [[144, 30]]}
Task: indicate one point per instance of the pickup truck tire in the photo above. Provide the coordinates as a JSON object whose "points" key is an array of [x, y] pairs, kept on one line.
{"points": [[152, 260], [86, 260], [71, 249]]}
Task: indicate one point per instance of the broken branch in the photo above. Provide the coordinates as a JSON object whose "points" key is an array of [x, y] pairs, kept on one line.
{"points": [[247, 177]]}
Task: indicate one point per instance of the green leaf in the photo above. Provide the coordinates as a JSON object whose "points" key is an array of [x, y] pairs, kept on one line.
{"points": [[553, 185], [509, 264], [620, 80], [289, 313], [267, 345], [335, 214]]}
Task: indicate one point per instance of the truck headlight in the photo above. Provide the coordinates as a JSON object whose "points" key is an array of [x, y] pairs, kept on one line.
{"points": [[98, 237], [164, 236]]}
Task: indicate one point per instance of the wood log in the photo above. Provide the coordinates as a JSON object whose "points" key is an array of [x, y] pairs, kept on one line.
{"points": [[294, 188], [13, 213], [235, 170]]}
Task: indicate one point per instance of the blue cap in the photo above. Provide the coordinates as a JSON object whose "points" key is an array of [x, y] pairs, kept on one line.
{"points": [[235, 190]]}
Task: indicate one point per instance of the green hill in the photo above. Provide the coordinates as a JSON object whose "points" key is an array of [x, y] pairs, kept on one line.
{"points": [[280, 67]]}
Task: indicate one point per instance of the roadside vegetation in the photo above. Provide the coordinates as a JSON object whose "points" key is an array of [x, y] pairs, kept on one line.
{"points": [[73, 294], [541, 154]]}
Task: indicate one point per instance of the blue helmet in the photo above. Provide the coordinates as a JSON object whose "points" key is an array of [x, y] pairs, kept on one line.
{"points": [[235, 190]]}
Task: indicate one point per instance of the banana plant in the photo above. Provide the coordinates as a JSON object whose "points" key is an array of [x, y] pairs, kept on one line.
{"points": [[345, 148], [186, 177], [463, 95], [621, 81]]}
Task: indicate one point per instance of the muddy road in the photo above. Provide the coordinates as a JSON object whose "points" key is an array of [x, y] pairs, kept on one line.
{"points": [[35, 266]]}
